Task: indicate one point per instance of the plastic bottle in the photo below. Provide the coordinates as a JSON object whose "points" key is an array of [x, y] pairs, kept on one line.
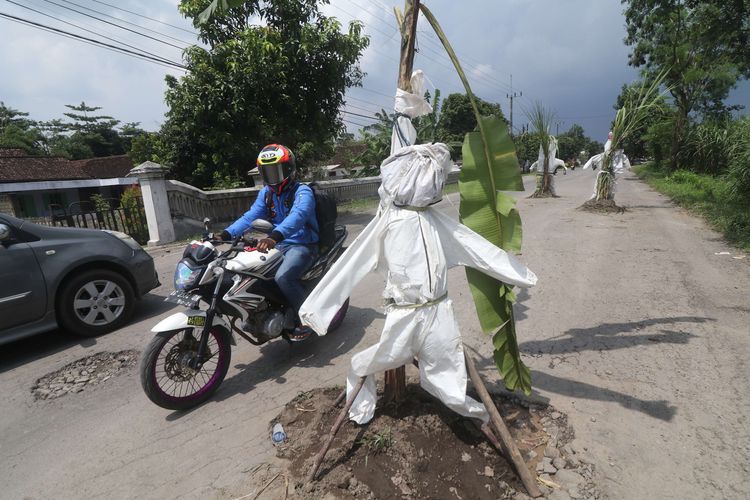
{"points": [[278, 435]]}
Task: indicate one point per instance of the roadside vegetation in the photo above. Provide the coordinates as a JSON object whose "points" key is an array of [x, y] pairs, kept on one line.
{"points": [[715, 197], [699, 145]]}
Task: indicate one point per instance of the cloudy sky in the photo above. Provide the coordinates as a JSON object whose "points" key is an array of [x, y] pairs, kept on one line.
{"points": [[567, 54]]}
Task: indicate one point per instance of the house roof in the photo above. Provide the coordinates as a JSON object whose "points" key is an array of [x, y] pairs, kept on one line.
{"points": [[17, 166], [107, 167]]}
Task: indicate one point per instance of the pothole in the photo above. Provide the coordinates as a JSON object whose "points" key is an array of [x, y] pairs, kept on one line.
{"points": [[85, 372]]}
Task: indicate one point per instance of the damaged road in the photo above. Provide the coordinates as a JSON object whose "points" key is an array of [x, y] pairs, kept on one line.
{"points": [[638, 331]]}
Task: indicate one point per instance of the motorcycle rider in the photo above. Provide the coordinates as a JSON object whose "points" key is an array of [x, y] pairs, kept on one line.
{"points": [[290, 206]]}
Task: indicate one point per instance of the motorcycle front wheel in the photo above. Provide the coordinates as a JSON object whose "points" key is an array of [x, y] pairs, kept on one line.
{"points": [[167, 377]]}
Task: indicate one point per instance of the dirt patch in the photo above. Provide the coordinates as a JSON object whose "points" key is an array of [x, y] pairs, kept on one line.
{"points": [[82, 373], [420, 449], [602, 206]]}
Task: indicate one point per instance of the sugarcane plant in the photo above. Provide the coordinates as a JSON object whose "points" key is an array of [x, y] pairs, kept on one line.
{"points": [[490, 166], [540, 119], [637, 107]]}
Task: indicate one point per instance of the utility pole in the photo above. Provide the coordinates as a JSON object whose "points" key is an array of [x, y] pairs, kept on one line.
{"points": [[395, 380], [512, 96]]}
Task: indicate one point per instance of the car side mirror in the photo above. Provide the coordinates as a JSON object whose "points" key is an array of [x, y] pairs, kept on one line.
{"points": [[262, 226], [4, 232]]}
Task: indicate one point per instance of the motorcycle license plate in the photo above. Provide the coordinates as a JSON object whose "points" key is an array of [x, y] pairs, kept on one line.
{"points": [[182, 298], [196, 320]]}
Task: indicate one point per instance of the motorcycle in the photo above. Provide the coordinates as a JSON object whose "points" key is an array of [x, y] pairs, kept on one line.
{"points": [[188, 358]]}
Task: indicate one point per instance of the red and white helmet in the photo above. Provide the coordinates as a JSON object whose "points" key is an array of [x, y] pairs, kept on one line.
{"points": [[276, 164]]}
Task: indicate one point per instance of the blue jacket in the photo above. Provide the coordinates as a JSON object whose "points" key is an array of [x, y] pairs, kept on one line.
{"points": [[297, 225]]}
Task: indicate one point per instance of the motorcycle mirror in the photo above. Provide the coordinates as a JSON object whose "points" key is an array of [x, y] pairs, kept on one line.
{"points": [[262, 225]]}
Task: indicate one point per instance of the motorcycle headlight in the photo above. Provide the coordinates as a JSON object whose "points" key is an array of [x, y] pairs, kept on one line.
{"points": [[186, 277]]}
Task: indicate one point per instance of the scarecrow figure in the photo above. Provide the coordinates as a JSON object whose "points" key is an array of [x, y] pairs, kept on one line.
{"points": [[554, 163], [413, 244], [620, 163]]}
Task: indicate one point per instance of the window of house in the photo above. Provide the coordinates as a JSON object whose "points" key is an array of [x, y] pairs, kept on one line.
{"points": [[25, 206]]}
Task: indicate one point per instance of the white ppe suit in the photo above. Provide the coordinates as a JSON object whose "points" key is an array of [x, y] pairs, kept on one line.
{"points": [[553, 162], [620, 163], [414, 244]]}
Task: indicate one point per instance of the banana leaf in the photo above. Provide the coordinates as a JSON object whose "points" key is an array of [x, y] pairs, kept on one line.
{"points": [[500, 223], [490, 166]]}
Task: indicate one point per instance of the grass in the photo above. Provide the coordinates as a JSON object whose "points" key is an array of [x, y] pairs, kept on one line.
{"points": [[378, 442], [702, 194]]}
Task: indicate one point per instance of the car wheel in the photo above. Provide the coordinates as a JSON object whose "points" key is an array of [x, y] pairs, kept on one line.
{"points": [[95, 302]]}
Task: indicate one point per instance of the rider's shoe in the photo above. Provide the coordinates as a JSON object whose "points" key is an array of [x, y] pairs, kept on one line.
{"points": [[300, 333]]}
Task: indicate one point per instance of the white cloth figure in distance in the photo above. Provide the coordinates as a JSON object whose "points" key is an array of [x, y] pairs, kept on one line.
{"points": [[620, 163], [414, 245], [554, 163]]}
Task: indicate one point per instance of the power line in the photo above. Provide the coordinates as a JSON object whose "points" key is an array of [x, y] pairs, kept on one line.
{"points": [[114, 24], [348, 105], [92, 41], [360, 115], [145, 17], [367, 102], [128, 22], [90, 31], [354, 123]]}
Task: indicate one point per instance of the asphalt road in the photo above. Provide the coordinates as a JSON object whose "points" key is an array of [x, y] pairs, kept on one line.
{"points": [[638, 330]]}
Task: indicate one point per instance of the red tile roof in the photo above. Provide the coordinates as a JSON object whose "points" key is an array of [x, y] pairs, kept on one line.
{"points": [[17, 166]]}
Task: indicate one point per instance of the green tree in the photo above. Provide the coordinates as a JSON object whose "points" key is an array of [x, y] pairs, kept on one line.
{"points": [[281, 79], [17, 131], [704, 47], [457, 118], [377, 141], [572, 142]]}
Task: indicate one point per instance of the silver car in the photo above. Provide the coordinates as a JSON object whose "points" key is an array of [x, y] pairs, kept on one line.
{"points": [[83, 280]]}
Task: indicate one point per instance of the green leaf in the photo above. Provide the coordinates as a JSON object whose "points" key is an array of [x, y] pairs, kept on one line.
{"points": [[489, 166], [510, 221]]}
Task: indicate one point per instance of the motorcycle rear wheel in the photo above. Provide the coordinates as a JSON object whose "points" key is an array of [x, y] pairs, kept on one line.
{"points": [[339, 317], [166, 377]]}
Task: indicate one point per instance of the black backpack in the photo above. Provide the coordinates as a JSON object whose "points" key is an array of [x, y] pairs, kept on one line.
{"points": [[325, 211]]}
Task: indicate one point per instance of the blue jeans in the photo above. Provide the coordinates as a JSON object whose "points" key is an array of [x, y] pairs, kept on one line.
{"points": [[297, 260]]}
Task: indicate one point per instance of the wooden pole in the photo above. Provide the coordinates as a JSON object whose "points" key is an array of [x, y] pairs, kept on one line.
{"points": [[394, 387], [336, 426], [505, 438], [408, 39]]}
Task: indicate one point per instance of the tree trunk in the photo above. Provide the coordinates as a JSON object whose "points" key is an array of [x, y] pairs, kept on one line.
{"points": [[395, 380]]}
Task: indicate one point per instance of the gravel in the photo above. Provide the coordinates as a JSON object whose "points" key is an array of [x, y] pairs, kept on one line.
{"points": [[84, 373]]}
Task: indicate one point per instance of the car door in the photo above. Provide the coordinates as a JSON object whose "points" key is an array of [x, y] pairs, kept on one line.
{"points": [[23, 292]]}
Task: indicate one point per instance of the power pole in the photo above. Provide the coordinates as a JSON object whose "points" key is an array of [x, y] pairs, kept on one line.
{"points": [[512, 96], [395, 380]]}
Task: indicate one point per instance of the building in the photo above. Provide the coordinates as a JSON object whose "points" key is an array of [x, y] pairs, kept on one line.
{"points": [[43, 186]]}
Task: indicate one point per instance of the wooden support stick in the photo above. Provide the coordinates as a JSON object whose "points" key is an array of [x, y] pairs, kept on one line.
{"points": [[487, 431], [507, 441], [336, 426], [340, 398]]}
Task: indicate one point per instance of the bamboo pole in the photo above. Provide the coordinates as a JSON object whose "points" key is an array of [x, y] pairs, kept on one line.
{"points": [[505, 438], [395, 380], [336, 426]]}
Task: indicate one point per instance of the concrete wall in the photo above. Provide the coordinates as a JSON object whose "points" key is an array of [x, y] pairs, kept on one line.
{"points": [[190, 205], [6, 204]]}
